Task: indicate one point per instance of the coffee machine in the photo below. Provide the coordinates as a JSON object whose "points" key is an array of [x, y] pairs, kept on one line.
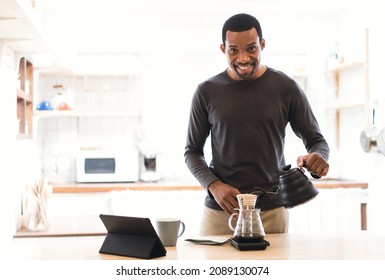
{"points": [[149, 151], [148, 171]]}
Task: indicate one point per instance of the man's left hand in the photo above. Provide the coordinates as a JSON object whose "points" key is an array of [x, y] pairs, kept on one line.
{"points": [[314, 163]]}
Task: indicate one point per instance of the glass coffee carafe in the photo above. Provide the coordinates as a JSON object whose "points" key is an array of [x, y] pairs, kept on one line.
{"points": [[249, 224]]}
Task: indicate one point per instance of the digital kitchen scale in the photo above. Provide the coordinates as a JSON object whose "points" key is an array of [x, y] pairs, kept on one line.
{"points": [[243, 244]]}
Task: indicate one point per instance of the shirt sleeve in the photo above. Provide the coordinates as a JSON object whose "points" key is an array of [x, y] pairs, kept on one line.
{"points": [[305, 125], [198, 131]]}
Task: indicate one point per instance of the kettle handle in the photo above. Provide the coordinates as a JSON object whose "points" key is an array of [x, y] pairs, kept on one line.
{"points": [[312, 174], [230, 221]]}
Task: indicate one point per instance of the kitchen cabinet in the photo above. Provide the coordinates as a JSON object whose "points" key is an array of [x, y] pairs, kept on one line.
{"points": [[24, 99], [351, 88]]}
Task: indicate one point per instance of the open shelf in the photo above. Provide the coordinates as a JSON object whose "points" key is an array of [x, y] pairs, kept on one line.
{"points": [[24, 99]]}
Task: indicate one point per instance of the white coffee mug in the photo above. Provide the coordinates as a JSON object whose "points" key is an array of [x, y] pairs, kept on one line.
{"points": [[169, 229]]}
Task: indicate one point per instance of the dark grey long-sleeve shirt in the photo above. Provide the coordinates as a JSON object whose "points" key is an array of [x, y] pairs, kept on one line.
{"points": [[247, 121]]}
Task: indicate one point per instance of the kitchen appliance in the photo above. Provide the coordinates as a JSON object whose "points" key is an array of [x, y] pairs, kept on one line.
{"points": [[94, 165], [149, 147], [148, 168], [249, 231], [294, 189], [249, 224]]}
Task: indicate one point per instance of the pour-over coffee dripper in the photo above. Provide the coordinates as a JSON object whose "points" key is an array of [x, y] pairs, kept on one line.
{"points": [[249, 224]]}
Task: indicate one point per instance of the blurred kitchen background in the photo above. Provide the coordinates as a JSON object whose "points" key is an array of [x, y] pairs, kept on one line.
{"points": [[126, 72]]}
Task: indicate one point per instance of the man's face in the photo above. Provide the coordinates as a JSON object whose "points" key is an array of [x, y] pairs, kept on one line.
{"points": [[243, 52]]}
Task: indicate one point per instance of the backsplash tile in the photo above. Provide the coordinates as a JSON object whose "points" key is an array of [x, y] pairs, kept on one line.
{"points": [[108, 116]]}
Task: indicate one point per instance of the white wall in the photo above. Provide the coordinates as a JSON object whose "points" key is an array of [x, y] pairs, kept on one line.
{"points": [[6, 141]]}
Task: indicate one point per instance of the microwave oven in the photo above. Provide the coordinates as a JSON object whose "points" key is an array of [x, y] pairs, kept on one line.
{"points": [[99, 165]]}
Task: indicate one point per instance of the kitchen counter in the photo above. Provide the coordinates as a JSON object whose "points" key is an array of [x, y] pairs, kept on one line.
{"points": [[73, 187], [90, 225], [67, 226], [361, 245]]}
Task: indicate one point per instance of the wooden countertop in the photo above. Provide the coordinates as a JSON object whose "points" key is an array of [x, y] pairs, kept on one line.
{"points": [[73, 187], [360, 245]]}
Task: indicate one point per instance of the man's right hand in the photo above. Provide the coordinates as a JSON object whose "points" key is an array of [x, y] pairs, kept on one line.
{"points": [[225, 195]]}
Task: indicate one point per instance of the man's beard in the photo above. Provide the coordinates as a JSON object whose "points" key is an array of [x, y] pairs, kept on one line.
{"points": [[246, 76]]}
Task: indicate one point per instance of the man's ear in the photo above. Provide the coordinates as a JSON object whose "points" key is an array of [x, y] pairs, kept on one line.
{"points": [[223, 48], [263, 44]]}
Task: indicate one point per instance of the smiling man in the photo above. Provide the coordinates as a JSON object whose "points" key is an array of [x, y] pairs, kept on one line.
{"points": [[243, 51], [246, 109]]}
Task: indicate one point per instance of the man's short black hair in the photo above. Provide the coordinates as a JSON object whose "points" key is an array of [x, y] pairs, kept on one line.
{"points": [[239, 23]]}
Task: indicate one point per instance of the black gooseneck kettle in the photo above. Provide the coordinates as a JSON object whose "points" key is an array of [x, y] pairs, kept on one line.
{"points": [[294, 188]]}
